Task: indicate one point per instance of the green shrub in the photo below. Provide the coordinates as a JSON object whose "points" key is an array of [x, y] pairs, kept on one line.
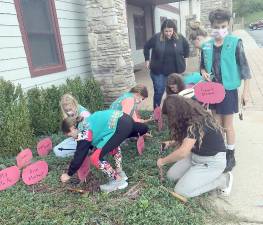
{"points": [[16, 131], [87, 93], [43, 105]]}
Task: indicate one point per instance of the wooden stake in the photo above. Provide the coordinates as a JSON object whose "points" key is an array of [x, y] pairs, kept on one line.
{"points": [[179, 197]]}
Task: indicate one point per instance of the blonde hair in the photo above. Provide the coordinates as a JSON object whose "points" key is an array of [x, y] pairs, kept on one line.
{"points": [[141, 90], [67, 99]]}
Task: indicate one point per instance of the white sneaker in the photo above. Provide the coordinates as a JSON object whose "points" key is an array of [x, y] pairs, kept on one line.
{"points": [[113, 185], [123, 175], [226, 191]]}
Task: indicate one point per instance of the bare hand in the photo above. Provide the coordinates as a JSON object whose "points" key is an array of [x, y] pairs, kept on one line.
{"points": [[64, 177], [148, 120], [160, 162], [147, 64], [205, 75], [244, 98]]}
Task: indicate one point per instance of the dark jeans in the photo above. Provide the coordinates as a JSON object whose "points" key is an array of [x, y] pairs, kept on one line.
{"points": [[159, 85], [126, 128]]}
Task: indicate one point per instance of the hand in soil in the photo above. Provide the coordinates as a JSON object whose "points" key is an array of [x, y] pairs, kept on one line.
{"points": [[64, 177]]}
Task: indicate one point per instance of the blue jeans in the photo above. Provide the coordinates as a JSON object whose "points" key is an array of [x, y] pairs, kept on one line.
{"points": [[159, 85]]}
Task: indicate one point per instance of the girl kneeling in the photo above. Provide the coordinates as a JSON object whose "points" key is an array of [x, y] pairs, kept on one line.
{"points": [[201, 157]]}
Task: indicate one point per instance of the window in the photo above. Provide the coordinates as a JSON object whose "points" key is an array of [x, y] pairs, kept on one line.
{"points": [[139, 30], [39, 27]]}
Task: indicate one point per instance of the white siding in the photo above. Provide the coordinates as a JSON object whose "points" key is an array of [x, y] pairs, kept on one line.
{"points": [[72, 24]]}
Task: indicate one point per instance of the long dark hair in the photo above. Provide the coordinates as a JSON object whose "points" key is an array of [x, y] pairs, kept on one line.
{"points": [[187, 117], [168, 24], [174, 79]]}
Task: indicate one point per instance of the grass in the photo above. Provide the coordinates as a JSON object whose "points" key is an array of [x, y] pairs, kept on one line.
{"points": [[142, 203]]}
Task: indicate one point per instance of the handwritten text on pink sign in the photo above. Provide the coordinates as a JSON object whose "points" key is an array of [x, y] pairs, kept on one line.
{"points": [[9, 177], [35, 172], [44, 147], [209, 92], [24, 158]]}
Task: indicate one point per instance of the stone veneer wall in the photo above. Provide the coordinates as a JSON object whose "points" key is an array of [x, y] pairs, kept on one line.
{"points": [[110, 54], [208, 5]]}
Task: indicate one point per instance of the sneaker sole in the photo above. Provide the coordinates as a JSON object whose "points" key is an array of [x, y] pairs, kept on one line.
{"points": [[124, 185], [226, 192]]}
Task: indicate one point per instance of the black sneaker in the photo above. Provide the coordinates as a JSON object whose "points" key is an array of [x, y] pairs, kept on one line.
{"points": [[230, 160]]}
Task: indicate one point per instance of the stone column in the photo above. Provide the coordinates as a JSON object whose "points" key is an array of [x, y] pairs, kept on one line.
{"points": [[108, 40], [208, 5]]}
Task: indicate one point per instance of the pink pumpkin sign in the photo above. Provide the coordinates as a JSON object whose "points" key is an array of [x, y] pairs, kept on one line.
{"points": [[140, 145], [9, 177], [209, 92], [157, 113], [24, 158], [84, 170], [35, 172], [160, 123], [44, 147]]}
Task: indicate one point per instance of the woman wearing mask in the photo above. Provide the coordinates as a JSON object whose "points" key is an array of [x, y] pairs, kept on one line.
{"points": [[169, 50]]}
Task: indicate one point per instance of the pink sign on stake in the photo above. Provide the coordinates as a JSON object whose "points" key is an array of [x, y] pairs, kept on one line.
{"points": [[44, 147], [209, 92], [84, 170], [140, 145], [9, 177], [157, 113], [35, 172], [24, 158], [160, 123]]}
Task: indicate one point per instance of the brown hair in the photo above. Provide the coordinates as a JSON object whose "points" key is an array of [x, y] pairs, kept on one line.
{"points": [[196, 30], [219, 16], [174, 79], [140, 89], [187, 117], [67, 99], [168, 24], [69, 122]]}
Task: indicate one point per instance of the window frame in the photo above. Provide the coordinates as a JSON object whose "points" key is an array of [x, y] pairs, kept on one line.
{"points": [[40, 71]]}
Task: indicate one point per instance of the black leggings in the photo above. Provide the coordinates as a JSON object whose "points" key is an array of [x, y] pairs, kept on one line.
{"points": [[126, 128]]}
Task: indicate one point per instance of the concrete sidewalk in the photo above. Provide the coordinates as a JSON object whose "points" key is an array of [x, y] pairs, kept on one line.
{"points": [[246, 199]]}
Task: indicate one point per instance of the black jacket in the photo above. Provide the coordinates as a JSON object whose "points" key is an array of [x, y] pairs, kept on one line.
{"points": [[167, 56]]}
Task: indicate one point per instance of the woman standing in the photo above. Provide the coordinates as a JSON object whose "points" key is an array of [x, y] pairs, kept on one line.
{"points": [[169, 50], [200, 159]]}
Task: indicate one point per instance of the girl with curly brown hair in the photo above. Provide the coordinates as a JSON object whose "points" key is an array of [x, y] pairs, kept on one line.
{"points": [[201, 155]]}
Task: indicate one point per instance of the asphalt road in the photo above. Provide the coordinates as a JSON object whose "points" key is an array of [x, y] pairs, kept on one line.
{"points": [[258, 36]]}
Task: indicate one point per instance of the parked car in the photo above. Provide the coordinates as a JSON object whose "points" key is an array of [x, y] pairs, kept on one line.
{"points": [[256, 25]]}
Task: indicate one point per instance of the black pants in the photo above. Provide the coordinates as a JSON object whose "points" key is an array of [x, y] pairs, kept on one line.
{"points": [[126, 128]]}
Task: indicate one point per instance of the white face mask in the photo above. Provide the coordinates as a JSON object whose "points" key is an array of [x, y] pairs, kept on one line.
{"points": [[219, 33]]}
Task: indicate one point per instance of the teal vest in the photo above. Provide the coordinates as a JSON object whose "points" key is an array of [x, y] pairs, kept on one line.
{"points": [[116, 105], [103, 125], [229, 68]]}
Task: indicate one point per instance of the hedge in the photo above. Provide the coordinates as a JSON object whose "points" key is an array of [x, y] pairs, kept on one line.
{"points": [[24, 117]]}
